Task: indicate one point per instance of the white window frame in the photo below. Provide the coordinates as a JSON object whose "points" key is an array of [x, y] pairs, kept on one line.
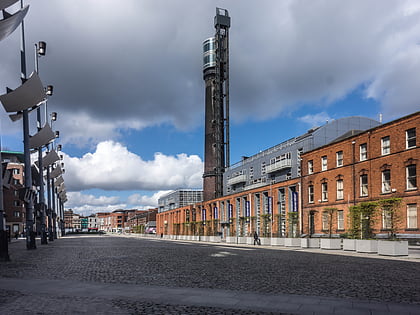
{"points": [[412, 216], [386, 182], [386, 145], [363, 151], [324, 163], [340, 220], [311, 198], [339, 158], [310, 167], [386, 219], [340, 189], [324, 191], [411, 179], [410, 138], [364, 187]]}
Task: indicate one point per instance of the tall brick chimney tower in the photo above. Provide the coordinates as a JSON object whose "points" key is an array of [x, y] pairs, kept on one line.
{"points": [[216, 77]]}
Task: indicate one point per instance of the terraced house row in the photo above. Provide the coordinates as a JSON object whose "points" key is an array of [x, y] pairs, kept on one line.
{"points": [[319, 185]]}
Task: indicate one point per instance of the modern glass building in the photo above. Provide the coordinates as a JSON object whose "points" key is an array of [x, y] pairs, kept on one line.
{"points": [[282, 162], [179, 198]]}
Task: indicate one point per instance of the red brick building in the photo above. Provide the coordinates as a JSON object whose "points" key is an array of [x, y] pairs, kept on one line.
{"points": [[13, 206], [381, 163], [270, 210], [141, 221], [377, 164]]}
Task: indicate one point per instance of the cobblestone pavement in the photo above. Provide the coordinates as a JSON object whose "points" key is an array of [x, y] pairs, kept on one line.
{"points": [[118, 275]]}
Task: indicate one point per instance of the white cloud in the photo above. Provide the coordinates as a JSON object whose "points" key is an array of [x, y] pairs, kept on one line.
{"points": [[142, 201], [316, 119], [397, 85], [86, 204], [77, 199], [113, 167]]}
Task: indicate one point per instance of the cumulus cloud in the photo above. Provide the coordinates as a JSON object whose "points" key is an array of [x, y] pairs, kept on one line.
{"points": [[86, 204], [113, 74], [113, 167], [143, 201], [76, 199], [316, 119], [397, 86]]}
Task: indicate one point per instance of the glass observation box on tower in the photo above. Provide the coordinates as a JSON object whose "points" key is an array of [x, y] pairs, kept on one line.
{"points": [[209, 53]]}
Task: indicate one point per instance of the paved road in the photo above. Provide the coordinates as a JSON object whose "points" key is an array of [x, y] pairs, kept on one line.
{"points": [[119, 275]]}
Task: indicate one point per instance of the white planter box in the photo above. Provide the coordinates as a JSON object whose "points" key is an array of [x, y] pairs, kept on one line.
{"points": [[330, 243], [367, 246], [393, 248], [264, 241], [309, 242], [292, 242], [215, 239], [204, 238], [249, 240], [349, 244], [277, 241], [231, 239], [242, 240]]}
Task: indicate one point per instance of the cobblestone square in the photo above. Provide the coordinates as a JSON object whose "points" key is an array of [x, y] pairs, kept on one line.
{"points": [[127, 275]]}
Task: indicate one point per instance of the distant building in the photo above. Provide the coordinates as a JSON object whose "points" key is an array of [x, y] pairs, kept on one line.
{"points": [[179, 198], [93, 223], [84, 223], [143, 221], [13, 182]]}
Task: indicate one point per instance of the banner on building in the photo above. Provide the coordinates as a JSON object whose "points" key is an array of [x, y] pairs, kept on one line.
{"points": [[215, 213], [269, 205], [230, 211], [295, 201], [203, 216], [247, 210]]}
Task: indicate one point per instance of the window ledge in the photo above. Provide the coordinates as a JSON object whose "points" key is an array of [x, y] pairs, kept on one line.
{"points": [[386, 193], [411, 229], [411, 189]]}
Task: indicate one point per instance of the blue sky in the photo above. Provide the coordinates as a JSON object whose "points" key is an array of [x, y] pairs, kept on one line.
{"points": [[130, 96]]}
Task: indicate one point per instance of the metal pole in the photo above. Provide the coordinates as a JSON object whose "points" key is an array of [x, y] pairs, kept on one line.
{"points": [[41, 169], [29, 204], [54, 214], [4, 246]]}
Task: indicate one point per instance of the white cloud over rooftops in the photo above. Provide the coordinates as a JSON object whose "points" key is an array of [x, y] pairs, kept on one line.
{"points": [[113, 167]]}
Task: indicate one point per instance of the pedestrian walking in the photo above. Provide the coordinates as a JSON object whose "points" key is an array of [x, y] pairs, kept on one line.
{"points": [[256, 239]]}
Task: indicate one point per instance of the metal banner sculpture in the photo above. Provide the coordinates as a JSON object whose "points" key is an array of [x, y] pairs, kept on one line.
{"points": [[10, 21]]}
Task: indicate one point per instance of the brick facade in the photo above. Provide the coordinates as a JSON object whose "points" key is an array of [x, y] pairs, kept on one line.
{"points": [[363, 166], [366, 158]]}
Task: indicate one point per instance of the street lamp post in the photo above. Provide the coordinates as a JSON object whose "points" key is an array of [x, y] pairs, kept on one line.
{"points": [[29, 202], [40, 50]]}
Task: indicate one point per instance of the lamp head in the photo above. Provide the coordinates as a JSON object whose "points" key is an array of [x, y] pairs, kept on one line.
{"points": [[49, 90], [53, 116], [42, 48]]}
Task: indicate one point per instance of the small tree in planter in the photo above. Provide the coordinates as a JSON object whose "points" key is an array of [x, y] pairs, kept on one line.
{"points": [[292, 219], [362, 218], [330, 212], [391, 208], [266, 220]]}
